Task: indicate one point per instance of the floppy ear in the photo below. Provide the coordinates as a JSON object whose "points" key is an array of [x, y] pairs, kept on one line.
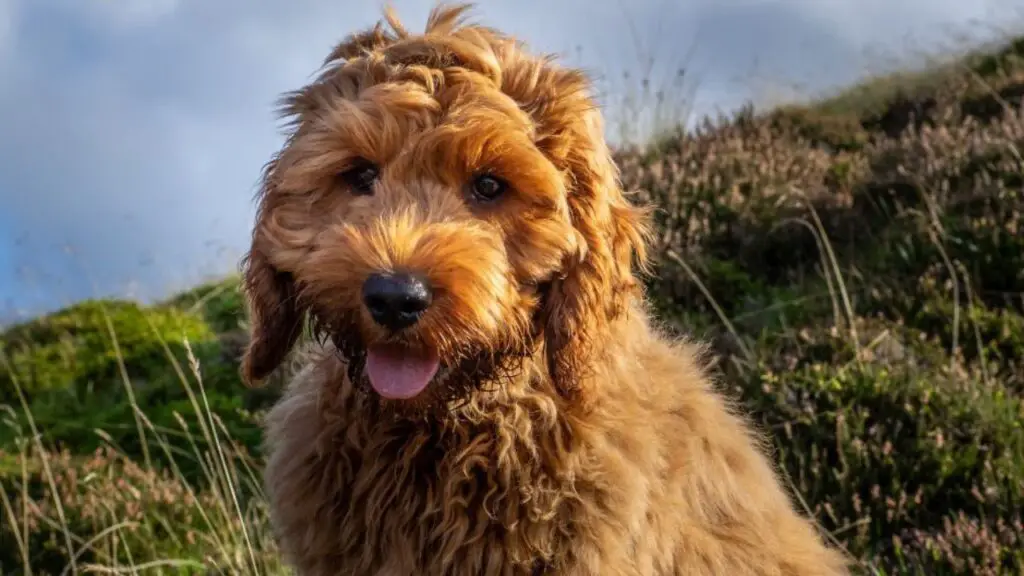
{"points": [[598, 284], [274, 317]]}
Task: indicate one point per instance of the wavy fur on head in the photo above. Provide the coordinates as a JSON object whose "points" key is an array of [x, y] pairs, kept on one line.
{"points": [[563, 433]]}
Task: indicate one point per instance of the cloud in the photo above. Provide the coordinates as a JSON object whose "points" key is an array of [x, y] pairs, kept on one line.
{"points": [[7, 16], [134, 132], [125, 14]]}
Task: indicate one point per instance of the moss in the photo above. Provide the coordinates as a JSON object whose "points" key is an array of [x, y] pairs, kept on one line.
{"points": [[220, 303], [74, 348], [80, 403]]}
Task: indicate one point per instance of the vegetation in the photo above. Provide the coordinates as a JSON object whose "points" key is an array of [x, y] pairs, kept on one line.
{"points": [[857, 263]]}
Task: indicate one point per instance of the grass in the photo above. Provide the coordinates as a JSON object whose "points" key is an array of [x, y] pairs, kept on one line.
{"points": [[857, 264]]}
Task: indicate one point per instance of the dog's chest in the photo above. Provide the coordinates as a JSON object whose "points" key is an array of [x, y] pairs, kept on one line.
{"points": [[475, 502]]}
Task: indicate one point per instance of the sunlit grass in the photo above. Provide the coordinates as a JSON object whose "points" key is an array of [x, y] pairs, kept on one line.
{"points": [[126, 516]]}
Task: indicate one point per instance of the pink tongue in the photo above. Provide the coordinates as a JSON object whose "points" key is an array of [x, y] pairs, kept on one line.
{"points": [[399, 373]]}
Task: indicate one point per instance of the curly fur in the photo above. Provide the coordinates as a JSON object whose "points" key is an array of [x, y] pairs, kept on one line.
{"points": [[564, 434]]}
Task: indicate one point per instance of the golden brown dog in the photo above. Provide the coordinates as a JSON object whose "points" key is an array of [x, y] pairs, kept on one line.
{"points": [[487, 394]]}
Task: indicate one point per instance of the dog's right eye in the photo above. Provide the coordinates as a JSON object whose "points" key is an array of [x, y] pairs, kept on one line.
{"points": [[487, 188], [360, 178]]}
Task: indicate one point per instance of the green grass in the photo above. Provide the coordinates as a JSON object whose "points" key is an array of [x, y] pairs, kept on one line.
{"points": [[857, 263]]}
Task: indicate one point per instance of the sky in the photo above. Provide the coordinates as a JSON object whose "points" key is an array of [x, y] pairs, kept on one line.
{"points": [[132, 132]]}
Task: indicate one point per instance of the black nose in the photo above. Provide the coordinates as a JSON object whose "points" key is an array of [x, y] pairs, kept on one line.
{"points": [[396, 301]]}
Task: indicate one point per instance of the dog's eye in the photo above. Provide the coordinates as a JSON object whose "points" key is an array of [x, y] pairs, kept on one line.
{"points": [[360, 178], [487, 187]]}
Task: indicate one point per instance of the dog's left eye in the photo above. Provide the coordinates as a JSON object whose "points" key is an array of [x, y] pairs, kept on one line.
{"points": [[360, 178], [487, 187]]}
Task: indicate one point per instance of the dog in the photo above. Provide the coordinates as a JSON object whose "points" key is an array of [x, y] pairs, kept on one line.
{"points": [[484, 389]]}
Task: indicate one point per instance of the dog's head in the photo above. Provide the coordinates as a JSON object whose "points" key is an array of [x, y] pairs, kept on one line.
{"points": [[444, 203]]}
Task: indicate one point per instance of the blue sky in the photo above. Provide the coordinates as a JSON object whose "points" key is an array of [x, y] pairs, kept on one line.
{"points": [[134, 130]]}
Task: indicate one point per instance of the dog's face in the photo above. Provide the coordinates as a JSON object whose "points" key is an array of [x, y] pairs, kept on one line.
{"points": [[444, 204]]}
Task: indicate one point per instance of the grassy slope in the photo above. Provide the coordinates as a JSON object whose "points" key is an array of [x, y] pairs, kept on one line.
{"points": [[858, 265]]}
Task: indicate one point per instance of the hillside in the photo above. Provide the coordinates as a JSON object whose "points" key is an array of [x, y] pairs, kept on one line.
{"points": [[857, 263]]}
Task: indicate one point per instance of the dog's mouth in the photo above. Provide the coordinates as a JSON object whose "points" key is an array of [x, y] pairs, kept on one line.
{"points": [[398, 372], [412, 370]]}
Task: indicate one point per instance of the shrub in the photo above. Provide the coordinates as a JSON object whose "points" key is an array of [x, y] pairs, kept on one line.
{"points": [[113, 513]]}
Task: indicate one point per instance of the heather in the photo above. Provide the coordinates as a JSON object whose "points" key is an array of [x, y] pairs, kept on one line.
{"points": [[857, 264]]}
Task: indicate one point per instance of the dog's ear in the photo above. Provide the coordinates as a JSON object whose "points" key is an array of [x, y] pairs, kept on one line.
{"points": [[598, 283], [274, 317]]}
